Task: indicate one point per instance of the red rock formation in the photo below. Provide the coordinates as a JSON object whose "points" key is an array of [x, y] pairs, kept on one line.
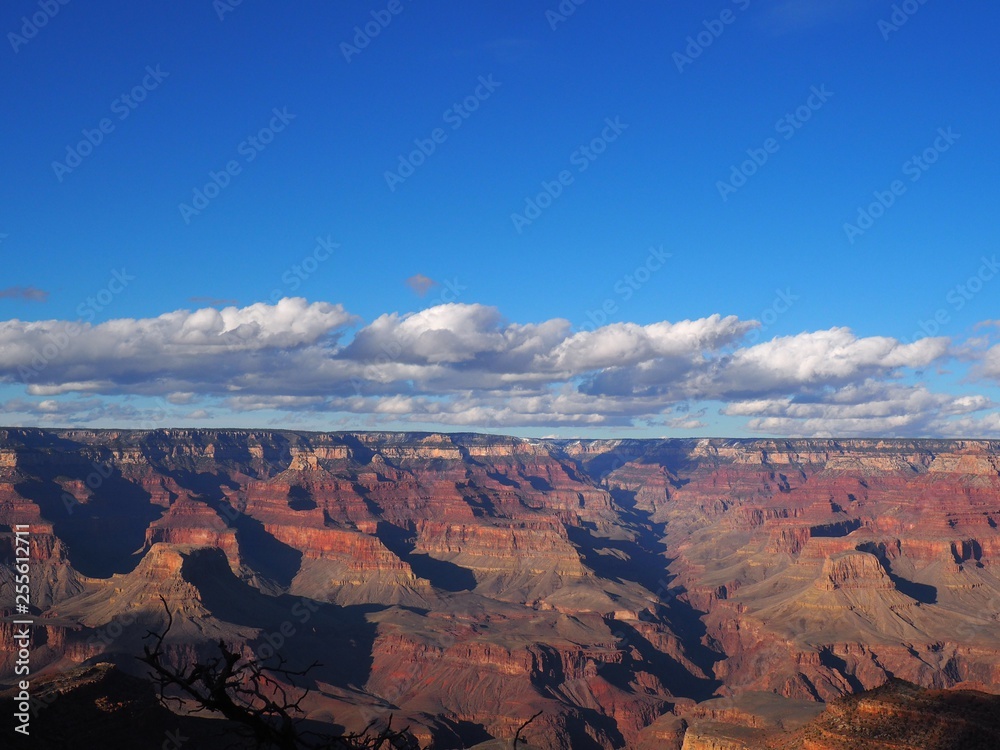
{"points": [[611, 582]]}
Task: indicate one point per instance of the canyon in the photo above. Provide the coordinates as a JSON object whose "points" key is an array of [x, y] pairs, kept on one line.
{"points": [[702, 593]]}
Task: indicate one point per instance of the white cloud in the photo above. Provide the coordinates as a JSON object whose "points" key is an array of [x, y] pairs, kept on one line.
{"points": [[463, 364], [989, 366], [130, 355], [868, 408], [985, 426], [824, 357], [626, 344]]}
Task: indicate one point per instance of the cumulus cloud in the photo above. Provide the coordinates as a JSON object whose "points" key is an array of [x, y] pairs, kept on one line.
{"points": [[831, 357], [465, 365], [868, 408], [627, 344], [125, 355], [989, 365]]}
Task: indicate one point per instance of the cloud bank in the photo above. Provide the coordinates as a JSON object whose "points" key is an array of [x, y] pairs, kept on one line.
{"points": [[465, 365]]}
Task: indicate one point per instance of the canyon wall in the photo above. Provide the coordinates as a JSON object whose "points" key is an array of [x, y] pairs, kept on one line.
{"points": [[464, 582]]}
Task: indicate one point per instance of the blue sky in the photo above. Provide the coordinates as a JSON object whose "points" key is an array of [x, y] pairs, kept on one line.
{"points": [[834, 104]]}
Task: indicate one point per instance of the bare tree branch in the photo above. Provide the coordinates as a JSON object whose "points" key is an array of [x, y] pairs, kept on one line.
{"points": [[255, 698]]}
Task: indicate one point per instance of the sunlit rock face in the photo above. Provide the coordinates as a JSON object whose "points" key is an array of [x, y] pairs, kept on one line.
{"points": [[630, 590]]}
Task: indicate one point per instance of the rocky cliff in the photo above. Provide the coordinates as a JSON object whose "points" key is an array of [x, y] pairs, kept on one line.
{"points": [[467, 581]]}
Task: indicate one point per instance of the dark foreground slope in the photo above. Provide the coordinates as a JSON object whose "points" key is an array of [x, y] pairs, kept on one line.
{"points": [[100, 706], [628, 589]]}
